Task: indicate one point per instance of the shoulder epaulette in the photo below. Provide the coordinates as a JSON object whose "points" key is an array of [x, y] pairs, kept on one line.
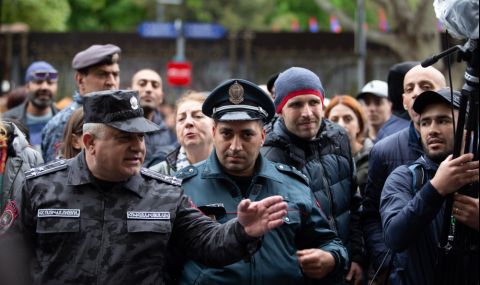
{"points": [[187, 172], [292, 171], [162, 177], [50, 167]]}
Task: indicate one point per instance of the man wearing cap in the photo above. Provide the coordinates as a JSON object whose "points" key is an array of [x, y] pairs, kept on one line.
{"points": [[149, 85], [374, 98], [41, 85], [320, 149], [235, 171], [100, 218], [398, 149], [96, 69], [413, 198]]}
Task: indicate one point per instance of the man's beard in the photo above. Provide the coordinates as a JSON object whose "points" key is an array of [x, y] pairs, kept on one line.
{"points": [[439, 157], [41, 103]]}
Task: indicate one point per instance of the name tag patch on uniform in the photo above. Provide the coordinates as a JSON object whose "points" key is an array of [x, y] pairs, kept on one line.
{"points": [[148, 215], [58, 213]]}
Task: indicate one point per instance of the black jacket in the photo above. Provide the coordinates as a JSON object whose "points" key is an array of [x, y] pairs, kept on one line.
{"points": [[328, 164], [80, 232]]}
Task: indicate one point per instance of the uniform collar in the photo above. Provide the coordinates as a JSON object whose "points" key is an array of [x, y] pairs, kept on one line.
{"points": [[79, 174]]}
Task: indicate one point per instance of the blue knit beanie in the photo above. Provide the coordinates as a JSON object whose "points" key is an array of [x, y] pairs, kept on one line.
{"points": [[296, 81]]}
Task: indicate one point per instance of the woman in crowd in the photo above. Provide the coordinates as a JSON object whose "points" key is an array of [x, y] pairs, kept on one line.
{"points": [[72, 135], [348, 113], [16, 157], [194, 133]]}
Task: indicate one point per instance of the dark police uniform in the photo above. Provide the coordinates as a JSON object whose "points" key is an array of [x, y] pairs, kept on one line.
{"points": [[216, 193], [85, 231]]}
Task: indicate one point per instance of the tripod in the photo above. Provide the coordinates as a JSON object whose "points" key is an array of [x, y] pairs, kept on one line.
{"points": [[459, 245]]}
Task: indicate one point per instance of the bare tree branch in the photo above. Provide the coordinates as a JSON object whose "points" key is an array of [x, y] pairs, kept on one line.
{"points": [[423, 13], [346, 21]]}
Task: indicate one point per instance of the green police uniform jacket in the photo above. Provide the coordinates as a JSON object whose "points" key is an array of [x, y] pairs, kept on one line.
{"points": [[81, 234], [276, 261]]}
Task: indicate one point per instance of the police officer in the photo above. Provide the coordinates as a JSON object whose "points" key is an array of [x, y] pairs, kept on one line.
{"points": [[236, 170], [96, 69], [100, 218]]}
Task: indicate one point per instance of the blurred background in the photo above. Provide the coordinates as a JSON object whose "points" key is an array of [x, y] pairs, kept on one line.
{"points": [[346, 42]]}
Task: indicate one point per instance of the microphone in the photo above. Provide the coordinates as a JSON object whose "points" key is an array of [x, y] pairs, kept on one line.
{"points": [[459, 17]]}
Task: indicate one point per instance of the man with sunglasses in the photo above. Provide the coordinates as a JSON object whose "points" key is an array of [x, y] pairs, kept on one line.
{"points": [[41, 83], [304, 249], [97, 69]]}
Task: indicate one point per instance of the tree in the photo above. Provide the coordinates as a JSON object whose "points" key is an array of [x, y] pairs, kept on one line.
{"points": [[45, 15], [413, 31]]}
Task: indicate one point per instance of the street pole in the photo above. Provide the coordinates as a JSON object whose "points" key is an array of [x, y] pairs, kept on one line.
{"points": [[360, 44]]}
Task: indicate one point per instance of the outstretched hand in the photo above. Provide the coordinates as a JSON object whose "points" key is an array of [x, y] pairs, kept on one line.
{"points": [[258, 218]]}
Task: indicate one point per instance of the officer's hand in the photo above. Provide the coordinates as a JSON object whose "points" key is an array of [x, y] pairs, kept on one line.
{"points": [[316, 263], [453, 174], [465, 210], [258, 218], [355, 274]]}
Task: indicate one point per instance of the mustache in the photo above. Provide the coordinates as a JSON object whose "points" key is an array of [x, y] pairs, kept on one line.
{"points": [[43, 92], [431, 140]]}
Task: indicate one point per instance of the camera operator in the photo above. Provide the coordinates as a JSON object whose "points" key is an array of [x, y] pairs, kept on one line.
{"points": [[413, 198]]}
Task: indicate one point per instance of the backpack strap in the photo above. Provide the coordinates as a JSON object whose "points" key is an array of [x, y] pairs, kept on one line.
{"points": [[418, 175]]}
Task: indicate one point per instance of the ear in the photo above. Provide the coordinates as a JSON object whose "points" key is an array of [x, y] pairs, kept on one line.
{"points": [[89, 143], [79, 79], [404, 103], [264, 135]]}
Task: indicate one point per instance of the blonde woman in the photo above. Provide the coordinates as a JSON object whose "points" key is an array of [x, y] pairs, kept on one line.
{"points": [[194, 133]]}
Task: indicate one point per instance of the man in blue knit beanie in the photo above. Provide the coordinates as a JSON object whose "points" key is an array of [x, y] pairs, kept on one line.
{"points": [[320, 149]]}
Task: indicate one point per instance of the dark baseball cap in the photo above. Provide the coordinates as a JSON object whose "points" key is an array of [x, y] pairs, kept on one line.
{"points": [[440, 96], [96, 54], [119, 109], [238, 100]]}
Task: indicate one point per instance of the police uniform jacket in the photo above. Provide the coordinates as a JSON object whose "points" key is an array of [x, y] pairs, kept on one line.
{"points": [[52, 133], [327, 162], [81, 234], [276, 261]]}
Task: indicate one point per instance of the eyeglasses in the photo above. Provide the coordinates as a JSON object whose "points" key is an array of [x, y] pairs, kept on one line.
{"points": [[44, 75]]}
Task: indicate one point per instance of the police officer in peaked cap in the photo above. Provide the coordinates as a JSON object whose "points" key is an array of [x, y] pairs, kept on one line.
{"points": [[235, 170], [100, 218]]}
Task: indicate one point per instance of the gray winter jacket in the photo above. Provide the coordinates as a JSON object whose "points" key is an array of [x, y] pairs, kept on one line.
{"points": [[21, 157]]}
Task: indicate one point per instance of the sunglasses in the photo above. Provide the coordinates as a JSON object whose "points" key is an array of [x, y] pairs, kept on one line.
{"points": [[45, 75]]}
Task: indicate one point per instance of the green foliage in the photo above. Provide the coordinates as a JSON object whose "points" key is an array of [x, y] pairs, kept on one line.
{"points": [[45, 15], [106, 15], [126, 15]]}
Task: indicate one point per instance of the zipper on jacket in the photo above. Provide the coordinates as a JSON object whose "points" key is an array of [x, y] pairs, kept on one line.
{"points": [[98, 266]]}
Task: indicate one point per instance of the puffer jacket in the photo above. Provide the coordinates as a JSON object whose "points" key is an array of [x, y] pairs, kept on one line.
{"points": [[401, 148], [328, 164], [21, 157]]}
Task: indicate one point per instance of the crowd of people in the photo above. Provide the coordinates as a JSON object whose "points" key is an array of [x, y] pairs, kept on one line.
{"points": [[275, 184]]}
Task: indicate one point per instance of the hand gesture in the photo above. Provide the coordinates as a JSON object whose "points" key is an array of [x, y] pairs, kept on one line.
{"points": [[258, 218], [453, 174], [316, 263]]}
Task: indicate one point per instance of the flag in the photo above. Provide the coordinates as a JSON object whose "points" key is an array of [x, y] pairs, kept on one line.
{"points": [[335, 25], [382, 20], [295, 25], [313, 24]]}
